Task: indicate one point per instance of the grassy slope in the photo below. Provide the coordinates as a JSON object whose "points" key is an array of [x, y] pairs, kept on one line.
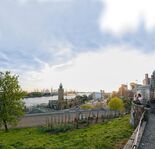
{"points": [[100, 136]]}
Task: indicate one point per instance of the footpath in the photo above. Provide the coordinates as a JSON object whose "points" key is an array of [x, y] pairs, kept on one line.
{"points": [[148, 138]]}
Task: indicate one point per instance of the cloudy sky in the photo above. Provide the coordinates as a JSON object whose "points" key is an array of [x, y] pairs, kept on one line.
{"points": [[87, 45]]}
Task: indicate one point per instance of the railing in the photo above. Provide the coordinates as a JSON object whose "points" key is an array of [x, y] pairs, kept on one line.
{"points": [[138, 131], [139, 115], [136, 113]]}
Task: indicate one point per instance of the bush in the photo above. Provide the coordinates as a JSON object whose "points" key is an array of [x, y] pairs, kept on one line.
{"points": [[58, 128], [98, 105], [87, 106], [62, 128], [116, 104]]}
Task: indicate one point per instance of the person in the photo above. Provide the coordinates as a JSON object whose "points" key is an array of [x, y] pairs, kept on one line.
{"points": [[140, 99], [135, 97]]}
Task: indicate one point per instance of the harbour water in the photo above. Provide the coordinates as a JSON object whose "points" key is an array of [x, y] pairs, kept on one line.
{"points": [[42, 100]]}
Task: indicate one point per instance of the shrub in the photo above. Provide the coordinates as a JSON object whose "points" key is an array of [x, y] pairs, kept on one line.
{"points": [[87, 106], [57, 128], [98, 105], [116, 104]]}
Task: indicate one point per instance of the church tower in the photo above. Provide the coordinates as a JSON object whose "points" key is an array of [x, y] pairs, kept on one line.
{"points": [[61, 96]]}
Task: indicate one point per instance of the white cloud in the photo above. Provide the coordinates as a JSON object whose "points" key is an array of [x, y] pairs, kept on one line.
{"points": [[126, 15], [106, 69], [60, 50], [57, 48], [62, 66]]}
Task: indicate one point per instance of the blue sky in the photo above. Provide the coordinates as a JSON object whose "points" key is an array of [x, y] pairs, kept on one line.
{"points": [[85, 44]]}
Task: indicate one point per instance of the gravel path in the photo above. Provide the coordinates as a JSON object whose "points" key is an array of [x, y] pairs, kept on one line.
{"points": [[148, 139]]}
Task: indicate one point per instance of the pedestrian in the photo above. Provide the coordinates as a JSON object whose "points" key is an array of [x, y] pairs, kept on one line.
{"points": [[140, 99]]}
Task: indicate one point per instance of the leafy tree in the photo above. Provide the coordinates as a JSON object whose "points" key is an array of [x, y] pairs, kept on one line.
{"points": [[116, 104], [81, 99], [35, 94], [11, 105]]}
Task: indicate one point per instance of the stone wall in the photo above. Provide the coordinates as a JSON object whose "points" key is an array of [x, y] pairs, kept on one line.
{"points": [[32, 120]]}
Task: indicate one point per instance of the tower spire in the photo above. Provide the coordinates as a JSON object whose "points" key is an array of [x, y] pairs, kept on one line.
{"points": [[60, 86]]}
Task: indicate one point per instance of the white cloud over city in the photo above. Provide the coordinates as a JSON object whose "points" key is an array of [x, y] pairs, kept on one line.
{"points": [[86, 44]]}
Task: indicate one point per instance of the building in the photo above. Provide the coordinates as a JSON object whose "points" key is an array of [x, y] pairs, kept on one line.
{"points": [[146, 81], [59, 104], [102, 94], [134, 87], [152, 86], [61, 97], [144, 91], [114, 94], [98, 95], [123, 91]]}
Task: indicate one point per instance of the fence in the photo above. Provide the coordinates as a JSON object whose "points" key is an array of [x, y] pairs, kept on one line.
{"points": [[92, 116]]}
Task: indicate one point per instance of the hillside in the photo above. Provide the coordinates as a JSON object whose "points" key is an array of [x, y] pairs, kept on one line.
{"points": [[99, 136]]}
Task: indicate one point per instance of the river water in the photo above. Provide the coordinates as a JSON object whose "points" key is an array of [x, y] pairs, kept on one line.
{"points": [[42, 100]]}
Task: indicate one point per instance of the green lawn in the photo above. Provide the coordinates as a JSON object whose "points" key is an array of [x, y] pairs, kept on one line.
{"points": [[100, 136]]}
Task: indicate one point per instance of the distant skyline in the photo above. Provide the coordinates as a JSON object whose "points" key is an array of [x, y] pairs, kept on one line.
{"points": [[87, 45]]}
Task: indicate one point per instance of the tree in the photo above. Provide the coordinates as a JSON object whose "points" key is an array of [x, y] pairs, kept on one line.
{"points": [[11, 105], [116, 104], [81, 99]]}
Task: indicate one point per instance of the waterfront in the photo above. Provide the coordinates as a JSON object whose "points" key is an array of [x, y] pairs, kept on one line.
{"points": [[44, 100]]}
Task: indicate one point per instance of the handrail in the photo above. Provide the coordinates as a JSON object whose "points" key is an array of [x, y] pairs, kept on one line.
{"points": [[138, 130]]}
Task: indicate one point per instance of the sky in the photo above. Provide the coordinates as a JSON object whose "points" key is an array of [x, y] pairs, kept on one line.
{"points": [[88, 45]]}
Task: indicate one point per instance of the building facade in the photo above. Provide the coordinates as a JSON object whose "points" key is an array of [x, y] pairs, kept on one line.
{"points": [[152, 86], [147, 80], [144, 91], [98, 95], [61, 97], [59, 104], [123, 91]]}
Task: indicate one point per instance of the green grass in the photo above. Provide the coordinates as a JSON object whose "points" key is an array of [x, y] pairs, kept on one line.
{"points": [[99, 136]]}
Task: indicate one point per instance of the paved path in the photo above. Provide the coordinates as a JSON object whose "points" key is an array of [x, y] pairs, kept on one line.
{"points": [[148, 139]]}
